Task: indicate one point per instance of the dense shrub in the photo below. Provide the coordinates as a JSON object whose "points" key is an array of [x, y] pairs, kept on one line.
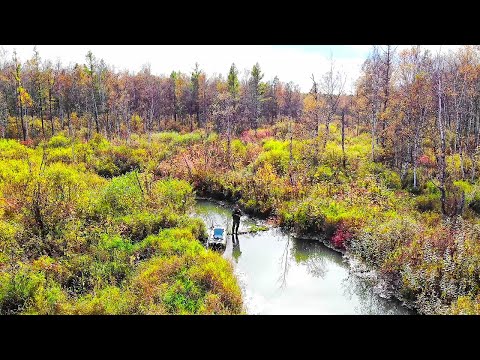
{"points": [[139, 225], [72, 242], [58, 141], [122, 196], [12, 149], [177, 194], [341, 237], [427, 202], [19, 289], [116, 161], [380, 240]]}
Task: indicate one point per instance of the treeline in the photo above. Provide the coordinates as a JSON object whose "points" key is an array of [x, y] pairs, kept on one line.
{"points": [[39, 98], [420, 108], [423, 107]]}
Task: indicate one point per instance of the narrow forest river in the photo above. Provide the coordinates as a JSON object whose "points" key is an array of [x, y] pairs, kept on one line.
{"points": [[280, 274]]}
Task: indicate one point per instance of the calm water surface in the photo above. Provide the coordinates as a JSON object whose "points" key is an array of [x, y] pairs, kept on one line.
{"points": [[280, 274]]}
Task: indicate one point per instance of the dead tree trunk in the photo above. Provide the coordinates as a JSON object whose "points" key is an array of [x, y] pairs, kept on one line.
{"points": [[442, 164]]}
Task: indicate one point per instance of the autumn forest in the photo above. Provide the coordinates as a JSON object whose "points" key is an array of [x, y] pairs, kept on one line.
{"points": [[100, 170]]}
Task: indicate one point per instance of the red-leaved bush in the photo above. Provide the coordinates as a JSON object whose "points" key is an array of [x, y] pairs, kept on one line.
{"points": [[424, 160], [341, 236], [28, 142], [251, 135]]}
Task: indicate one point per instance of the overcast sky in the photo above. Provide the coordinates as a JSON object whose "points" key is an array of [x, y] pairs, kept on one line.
{"points": [[289, 62]]}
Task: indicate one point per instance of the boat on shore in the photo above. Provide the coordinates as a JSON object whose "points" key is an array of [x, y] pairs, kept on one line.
{"points": [[217, 237]]}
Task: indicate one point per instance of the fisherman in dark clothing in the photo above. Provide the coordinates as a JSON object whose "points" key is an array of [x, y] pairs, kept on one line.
{"points": [[236, 219]]}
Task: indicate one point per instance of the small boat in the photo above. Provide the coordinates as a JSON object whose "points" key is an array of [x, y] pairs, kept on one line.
{"points": [[218, 237]]}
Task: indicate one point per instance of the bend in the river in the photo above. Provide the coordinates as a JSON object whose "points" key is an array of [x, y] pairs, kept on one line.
{"points": [[280, 274]]}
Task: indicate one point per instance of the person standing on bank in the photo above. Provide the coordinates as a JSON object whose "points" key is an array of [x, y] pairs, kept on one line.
{"points": [[236, 219]]}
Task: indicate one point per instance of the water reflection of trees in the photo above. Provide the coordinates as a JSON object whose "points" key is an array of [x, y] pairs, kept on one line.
{"points": [[311, 253], [315, 256], [370, 303], [284, 263]]}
